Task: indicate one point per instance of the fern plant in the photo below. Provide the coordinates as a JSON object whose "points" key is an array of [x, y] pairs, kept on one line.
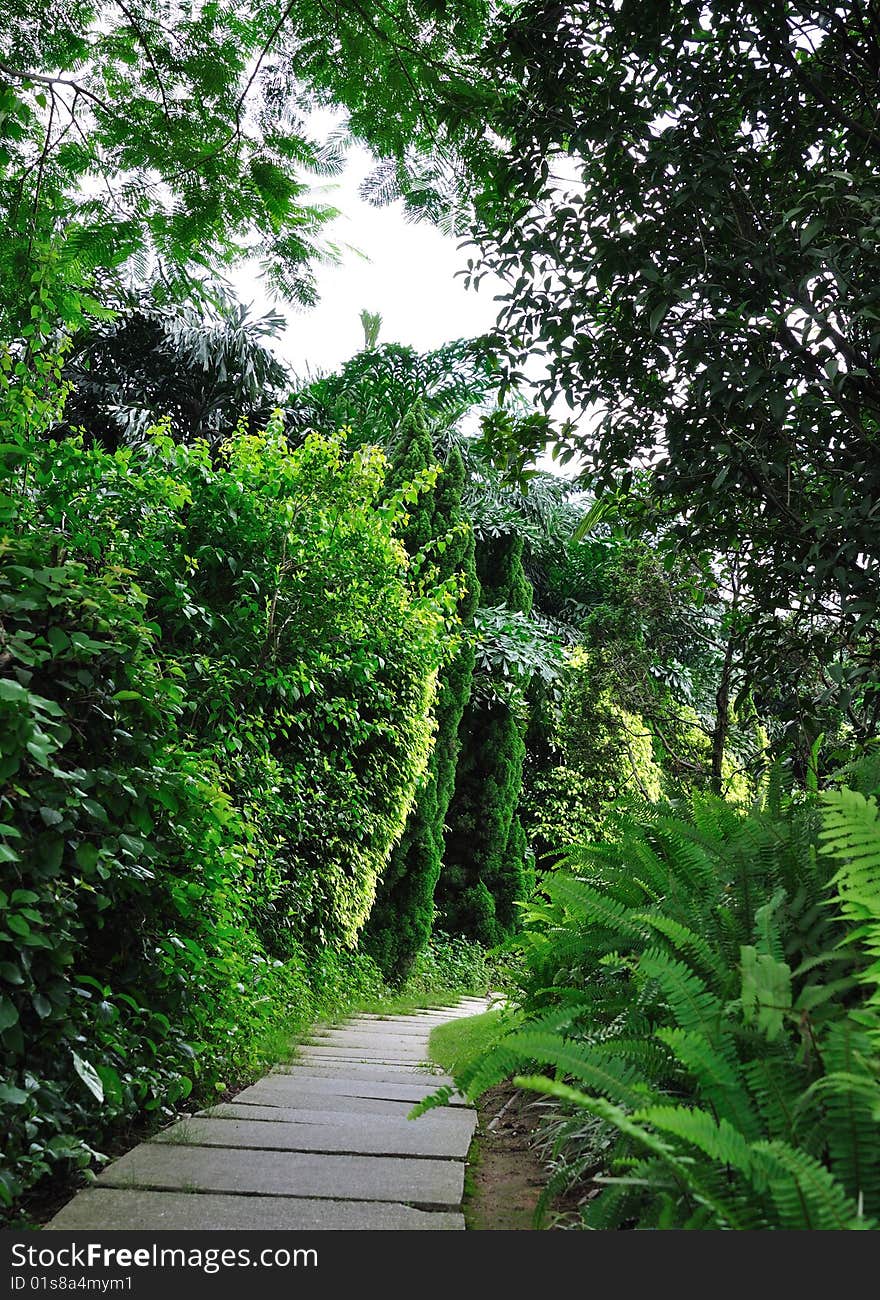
{"points": [[702, 991]]}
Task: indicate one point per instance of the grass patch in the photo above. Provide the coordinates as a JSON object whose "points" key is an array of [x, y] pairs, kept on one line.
{"points": [[458, 1042]]}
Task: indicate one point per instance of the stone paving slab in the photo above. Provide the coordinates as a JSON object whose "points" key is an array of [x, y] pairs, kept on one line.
{"points": [[366, 1067], [416, 1058], [350, 1114], [158, 1165], [415, 1021], [378, 1138], [319, 1067], [328, 1103], [410, 1037], [415, 1045], [108, 1209], [323, 1142], [440, 1014], [372, 1031], [475, 1007], [405, 1029], [373, 1018], [413, 1058], [388, 1046], [290, 1086]]}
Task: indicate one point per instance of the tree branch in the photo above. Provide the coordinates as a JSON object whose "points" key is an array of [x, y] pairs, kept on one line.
{"points": [[39, 79]]}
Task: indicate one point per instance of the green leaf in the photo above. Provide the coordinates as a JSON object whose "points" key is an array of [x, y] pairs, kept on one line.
{"points": [[8, 1014], [658, 315], [11, 1095], [87, 855], [58, 640], [42, 1005], [89, 1076], [766, 990], [111, 1084]]}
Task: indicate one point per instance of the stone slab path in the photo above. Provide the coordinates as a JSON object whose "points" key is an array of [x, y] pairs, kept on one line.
{"points": [[322, 1143]]}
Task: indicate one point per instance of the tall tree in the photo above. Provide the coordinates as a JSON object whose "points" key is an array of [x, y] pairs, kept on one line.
{"points": [[403, 914], [203, 371], [684, 206], [484, 873], [372, 393], [153, 137]]}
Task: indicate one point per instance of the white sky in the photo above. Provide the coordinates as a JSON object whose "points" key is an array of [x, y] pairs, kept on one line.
{"points": [[404, 270]]}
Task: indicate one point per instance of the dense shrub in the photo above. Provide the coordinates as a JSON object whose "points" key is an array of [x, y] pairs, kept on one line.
{"points": [[449, 964], [485, 873], [215, 691], [704, 991], [600, 753], [402, 917]]}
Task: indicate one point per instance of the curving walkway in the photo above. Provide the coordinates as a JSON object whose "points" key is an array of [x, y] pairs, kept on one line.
{"points": [[322, 1143]]}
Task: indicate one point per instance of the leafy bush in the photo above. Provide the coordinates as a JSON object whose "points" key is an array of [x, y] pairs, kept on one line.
{"points": [[449, 963], [705, 992], [403, 914], [600, 753], [215, 689], [485, 873]]}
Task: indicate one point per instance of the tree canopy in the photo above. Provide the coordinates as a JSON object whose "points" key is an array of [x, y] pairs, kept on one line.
{"points": [[684, 209], [148, 140]]}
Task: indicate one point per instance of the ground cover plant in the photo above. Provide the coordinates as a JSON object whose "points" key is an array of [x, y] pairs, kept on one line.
{"points": [[700, 996]]}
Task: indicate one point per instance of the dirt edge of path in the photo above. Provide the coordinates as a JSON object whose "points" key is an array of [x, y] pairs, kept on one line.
{"points": [[506, 1175]]}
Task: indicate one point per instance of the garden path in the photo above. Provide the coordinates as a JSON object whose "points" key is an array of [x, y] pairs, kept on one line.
{"points": [[322, 1143]]}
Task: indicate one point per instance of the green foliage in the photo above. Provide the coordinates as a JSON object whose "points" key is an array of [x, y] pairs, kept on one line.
{"points": [[851, 835], [449, 963], [690, 248], [202, 372], [403, 914], [374, 391], [600, 754], [453, 1045], [700, 996], [485, 874], [215, 693], [146, 143], [643, 707]]}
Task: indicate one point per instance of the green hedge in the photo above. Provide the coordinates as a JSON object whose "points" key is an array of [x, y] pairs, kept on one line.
{"points": [[216, 679], [401, 921]]}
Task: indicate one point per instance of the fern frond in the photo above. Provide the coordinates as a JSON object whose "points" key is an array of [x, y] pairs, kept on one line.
{"points": [[695, 1007], [806, 1195], [851, 834], [695, 1181], [685, 941], [775, 1089], [768, 939], [441, 1097], [612, 1209], [589, 904], [850, 1097], [719, 1140], [716, 1078]]}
